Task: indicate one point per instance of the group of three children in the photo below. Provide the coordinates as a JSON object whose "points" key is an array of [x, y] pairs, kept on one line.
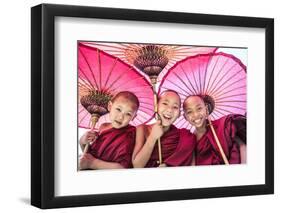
{"points": [[119, 145]]}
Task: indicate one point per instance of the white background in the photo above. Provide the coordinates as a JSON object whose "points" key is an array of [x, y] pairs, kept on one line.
{"points": [[15, 106], [70, 182]]}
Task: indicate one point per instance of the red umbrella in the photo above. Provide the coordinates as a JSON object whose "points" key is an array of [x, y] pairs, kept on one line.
{"points": [[219, 78], [101, 76]]}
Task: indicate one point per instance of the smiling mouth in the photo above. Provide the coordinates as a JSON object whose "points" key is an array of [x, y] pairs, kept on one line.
{"points": [[167, 117], [118, 123], [197, 121]]}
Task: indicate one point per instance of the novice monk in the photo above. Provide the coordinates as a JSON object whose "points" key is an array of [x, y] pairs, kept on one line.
{"points": [[176, 145], [230, 130], [113, 146]]}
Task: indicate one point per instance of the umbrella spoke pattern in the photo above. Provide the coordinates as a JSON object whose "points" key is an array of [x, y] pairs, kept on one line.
{"points": [[129, 52], [100, 77], [219, 77]]}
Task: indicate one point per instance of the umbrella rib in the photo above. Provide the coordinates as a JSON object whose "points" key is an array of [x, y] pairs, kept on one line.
{"points": [[90, 69], [228, 111], [83, 86], [207, 88], [80, 111], [231, 106], [194, 78], [117, 79], [129, 81], [229, 85], [182, 81], [110, 72], [220, 110], [82, 72], [84, 117], [177, 91], [217, 74], [215, 113], [99, 66], [176, 86], [221, 95], [200, 90], [142, 116], [220, 80], [231, 101], [85, 83], [231, 96], [188, 79], [205, 77]]}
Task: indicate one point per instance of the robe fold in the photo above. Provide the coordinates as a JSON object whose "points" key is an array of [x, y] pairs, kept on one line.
{"points": [[115, 145], [230, 129], [177, 146]]}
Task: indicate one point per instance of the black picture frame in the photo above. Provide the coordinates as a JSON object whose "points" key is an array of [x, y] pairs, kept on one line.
{"points": [[43, 105]]}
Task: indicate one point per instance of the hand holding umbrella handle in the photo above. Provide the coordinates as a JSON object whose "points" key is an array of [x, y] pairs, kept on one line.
{"points": [[94, 120]]}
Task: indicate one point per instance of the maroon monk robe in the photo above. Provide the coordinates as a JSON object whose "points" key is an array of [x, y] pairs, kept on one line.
{"points": [[176, 146], [228, 129], [115, 145]]}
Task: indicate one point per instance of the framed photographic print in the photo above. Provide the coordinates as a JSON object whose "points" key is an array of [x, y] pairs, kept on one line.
{"points": [[139, 106]]}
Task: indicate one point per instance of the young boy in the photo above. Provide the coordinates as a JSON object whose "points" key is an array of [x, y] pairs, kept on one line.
{"points": [[176, 145], [230, 130], [112, 147]]}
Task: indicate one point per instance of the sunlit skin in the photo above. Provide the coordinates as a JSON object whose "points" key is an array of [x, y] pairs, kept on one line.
{"points": [[168, 108], [195, 112], [121, 112]]}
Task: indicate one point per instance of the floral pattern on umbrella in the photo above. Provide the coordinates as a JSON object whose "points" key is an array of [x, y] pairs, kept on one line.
{"points": [[219, 77], [100, 77]]}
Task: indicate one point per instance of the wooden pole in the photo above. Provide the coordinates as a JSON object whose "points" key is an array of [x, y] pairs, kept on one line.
{"points": [[156, 116], [218, 142], [94, 120]]}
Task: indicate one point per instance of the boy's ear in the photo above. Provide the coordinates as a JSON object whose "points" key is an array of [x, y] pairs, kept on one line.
{"points": [[207, 109], [109, 106]]}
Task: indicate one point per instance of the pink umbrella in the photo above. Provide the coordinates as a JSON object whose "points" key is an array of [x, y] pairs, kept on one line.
{"points": [[130, 52], [101, 76], [219, 77]]}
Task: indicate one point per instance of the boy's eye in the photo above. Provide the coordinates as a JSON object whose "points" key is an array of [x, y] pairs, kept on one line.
{"points": [[176, 107], [118, 109], [129, 114], [164, 103]]}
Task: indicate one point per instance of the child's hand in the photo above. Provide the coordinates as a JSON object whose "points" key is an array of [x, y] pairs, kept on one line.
{"points": [[88, 137], [157, 130], [85, 161]]}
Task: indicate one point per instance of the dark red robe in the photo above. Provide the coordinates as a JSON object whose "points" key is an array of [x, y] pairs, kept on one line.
{"points": [[177, 146], [228, 129], [115, 145]]}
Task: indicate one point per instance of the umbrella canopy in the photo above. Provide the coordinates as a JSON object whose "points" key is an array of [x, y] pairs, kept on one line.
{"points": [[100, 77], [154, 58], [219, 78]]}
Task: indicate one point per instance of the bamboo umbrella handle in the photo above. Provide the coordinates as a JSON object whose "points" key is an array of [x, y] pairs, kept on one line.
{"points": [[155, 110], [218, 142], [94, 120]]}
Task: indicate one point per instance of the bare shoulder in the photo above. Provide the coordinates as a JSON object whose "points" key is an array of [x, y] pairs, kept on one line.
{"points": [[143, 129]]}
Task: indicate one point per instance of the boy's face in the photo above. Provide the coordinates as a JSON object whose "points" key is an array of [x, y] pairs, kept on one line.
{"points": [[169, 108], [195, 111], [121, 112]]}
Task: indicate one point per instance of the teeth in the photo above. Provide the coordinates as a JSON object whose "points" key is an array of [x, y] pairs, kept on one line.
{"points": [[167, 117], [197, 121]]}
